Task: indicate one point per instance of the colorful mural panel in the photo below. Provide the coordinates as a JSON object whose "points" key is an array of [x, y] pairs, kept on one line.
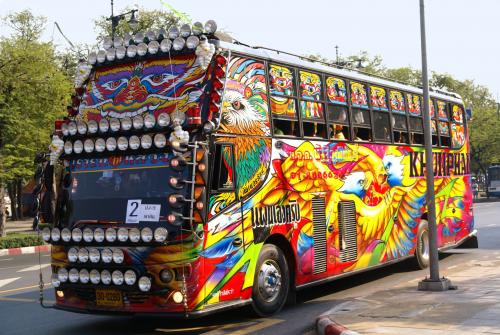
{"points": [[311, 110], [283, 107], [397, 102], [414, 104], [378, 98], [442, 114], [310, 86], [432, 109], [458, 114], [336, 90], [280, 80], [444, 128], [457, 135], [358, 95]]}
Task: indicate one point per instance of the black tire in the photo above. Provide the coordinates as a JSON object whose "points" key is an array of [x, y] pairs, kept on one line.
{"points": [[422, 249], [271, 282]]}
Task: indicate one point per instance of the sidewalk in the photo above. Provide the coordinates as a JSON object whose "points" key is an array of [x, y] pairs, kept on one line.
{"points": [[24, 226], [474, 308]]}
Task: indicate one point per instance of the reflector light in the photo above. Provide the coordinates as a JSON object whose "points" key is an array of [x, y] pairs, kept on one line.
{"points": [[126, 123], [66, 235], [192, 42], [197, 28], [134, 235], [134, 142], [153, 47], [122, 234], [118, 42], [83, 255], [149, 121], [100, 145], [151, 35], [78, 147], [110, 235], [121, 51], [106, 255], [64, 129], [106, 277], [160, 234], [173, 32], [210, 27], [165, 45], [68, 147], [179, 43], [103, 125], [160, 141], [88, 145], [92, 58], [73, 275], [163, 119], [146, 141], [99, 235], [110, 54], [122, 143], [185, 30], [146, 234], [88, 235], [81, 127], [138, 122], [101, 56], [92, 126], [114, 124], [72, 128], [95, 277], [142, 49], [111, 144], [72, 255], [131, 51], [130, 277], [139, 37], [77, 234], [144, 284]]}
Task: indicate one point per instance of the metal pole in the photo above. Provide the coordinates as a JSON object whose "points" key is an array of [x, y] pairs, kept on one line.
{"points": [[113, 25], [435, 283]]}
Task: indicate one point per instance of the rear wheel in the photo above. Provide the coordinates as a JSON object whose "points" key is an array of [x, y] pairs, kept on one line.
{"points": [[422, 251], [272, 281]]}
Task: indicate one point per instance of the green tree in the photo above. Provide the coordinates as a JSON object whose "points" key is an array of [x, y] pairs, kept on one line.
{"points": [[34, 91]]}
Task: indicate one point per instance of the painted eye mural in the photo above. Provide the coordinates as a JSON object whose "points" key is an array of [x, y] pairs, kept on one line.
{"points": [[458, 114], [397, 102], [358, 95], [378, 98], [336, 90], [442, 114], [414, 104], [310, 86], [281, 80], [152, 86]]}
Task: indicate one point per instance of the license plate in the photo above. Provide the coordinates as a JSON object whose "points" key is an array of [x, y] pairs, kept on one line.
{"points": [[109, 298]]}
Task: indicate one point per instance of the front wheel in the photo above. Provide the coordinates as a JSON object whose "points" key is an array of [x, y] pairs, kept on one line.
{"points": [[272, 281], [422, 250]]}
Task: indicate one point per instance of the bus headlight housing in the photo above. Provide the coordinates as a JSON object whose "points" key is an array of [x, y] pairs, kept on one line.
{"points": [[76, 234], [84, 276], [147, 234], [134, 235], [117, 277], [106, 277], [118, 256], [46, 234], [122, 234], [94, 255], [95, 277], [72, 255], [144, 284], [62, 275], [55, 234], [88, 235], [66, 235], [73, 275], [130, 277], [160, 234], [110, 235], [134, 142], [83, 255], [106, 255], [99, 235]]}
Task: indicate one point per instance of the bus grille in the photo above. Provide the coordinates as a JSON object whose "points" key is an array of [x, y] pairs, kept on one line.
{"points": [[319, 235], [347, 231]]}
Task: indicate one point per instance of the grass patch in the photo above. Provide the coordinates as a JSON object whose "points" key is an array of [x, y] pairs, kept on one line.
{"points": [[18, 240]]}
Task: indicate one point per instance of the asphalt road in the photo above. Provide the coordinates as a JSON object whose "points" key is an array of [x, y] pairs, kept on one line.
{"points": [[20, 312]]}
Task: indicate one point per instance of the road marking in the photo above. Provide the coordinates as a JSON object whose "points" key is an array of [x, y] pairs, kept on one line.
{"points": [[26, 300], [34, 268], [452, 267], [6, 259], [4, 282], [491, 225], [23, 288]]}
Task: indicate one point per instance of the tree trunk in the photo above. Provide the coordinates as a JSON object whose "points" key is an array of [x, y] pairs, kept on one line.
{"points": [[3, 214], [19, 186], [13, 204]]}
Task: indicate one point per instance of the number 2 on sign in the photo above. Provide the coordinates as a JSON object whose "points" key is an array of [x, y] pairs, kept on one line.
{"points": [[133, 211]]}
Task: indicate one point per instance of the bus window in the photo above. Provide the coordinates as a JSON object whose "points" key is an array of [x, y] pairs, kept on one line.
{"points": [[336, 92], [338, 122], [457, 127], [311, 109], [442, 111], [444, 134], [434, 133], [414, 104], [397, 102], [416, 130], [283, 101], [223, 171], [378, 98], [381, 130], [400, 128], [358, 95], [361, 124]]}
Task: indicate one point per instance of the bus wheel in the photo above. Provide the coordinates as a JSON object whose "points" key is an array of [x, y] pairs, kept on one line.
{"points": [[272, 281], [422, 250]]}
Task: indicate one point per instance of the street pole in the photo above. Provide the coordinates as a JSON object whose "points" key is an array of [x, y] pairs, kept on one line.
{"points": [[434, 283]]}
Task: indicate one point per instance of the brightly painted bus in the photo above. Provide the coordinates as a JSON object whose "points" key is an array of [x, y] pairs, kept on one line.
{"points": [[199, 175]]}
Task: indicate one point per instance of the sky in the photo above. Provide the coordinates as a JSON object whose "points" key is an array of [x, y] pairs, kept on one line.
{"points": [[462, 35]]}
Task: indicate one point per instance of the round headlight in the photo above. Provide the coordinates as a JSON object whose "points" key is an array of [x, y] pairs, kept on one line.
{"points": [[134, 142], [62, 275], [130, 277], [84, 276], [73, 275], [178, 297], [153, 47], [101, 56], [138, 122], [100, 145], [161, 234], [210, 27], [151, 35], [55, 234], [173, 32], [126, 123], [95, 277], [197, 28], [106, 255], [192, 42], [92, 57], [46, 234], [149, 121], [114, 124], [81, 127], [68, 147], [77, 234], [117, 41], [88, 145], [165, 45], [179, 43], [110, 235], [99, 235], [107, 43], [160, 141], [146, 141], [144, 284], [139, 37], [103, 125], [83, 255], [72, 255], [120, 52], [72, 128], [166, 275], [142, 49], [55, 280], [163, 119], [117, 277], [66, 235], [94, 255], [131, 51], [78, 147], [105, 277], [122, 234], [185, 30], [110, 54], [64, 129], [111, 144], [122, 143], [118, 256], [88, 235], [134, 235], [92, 126], [147, 234]]}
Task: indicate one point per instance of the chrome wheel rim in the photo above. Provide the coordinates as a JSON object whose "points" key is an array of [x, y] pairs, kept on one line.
{"points": [[269, 280], [424, 245]]}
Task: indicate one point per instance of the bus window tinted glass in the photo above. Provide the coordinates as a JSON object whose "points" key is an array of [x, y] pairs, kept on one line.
{"points": [[381, 129], [310, 86], [400, 129], [281, 80], [360, 116], [222, 176], [358, 95], [336, 90], [337, 114], [416, 124]]}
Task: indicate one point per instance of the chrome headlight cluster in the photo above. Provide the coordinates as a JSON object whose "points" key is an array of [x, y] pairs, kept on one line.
{"points": [[175, 38], [117, 277], [109, 235], [107, 255]]}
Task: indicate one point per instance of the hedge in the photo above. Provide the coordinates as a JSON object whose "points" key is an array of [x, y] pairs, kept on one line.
{"points": [[20, 240]]}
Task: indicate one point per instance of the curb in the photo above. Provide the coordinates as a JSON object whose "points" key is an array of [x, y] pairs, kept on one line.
{"points": [[25, 250], [326, 326]]}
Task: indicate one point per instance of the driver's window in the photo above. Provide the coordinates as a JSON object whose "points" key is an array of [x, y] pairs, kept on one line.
{"points": [[223, 171]]}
